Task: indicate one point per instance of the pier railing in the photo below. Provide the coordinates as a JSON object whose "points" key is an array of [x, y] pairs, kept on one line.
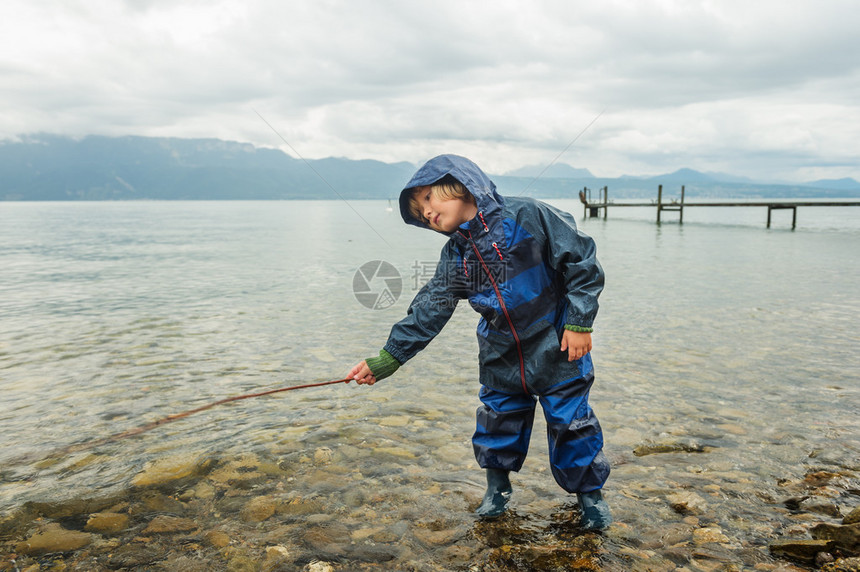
{"points": [[593, 208]]}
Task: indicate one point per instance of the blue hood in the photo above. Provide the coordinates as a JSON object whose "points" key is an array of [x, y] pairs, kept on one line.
{"points": [[462, 169]]}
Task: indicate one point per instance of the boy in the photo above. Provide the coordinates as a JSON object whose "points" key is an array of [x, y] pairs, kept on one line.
{"points": [[535, 280]]}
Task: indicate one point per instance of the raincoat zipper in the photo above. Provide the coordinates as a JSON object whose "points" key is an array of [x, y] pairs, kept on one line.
{"points": [[504, 308]]}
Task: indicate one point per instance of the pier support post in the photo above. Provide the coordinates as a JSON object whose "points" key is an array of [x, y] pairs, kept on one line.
{"points": [[673, 206], [592, 210], [605, 200], [771, 208], [583, 198]]}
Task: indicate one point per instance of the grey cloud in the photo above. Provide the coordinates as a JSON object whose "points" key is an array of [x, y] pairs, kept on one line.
{"points": [[683, 84]]}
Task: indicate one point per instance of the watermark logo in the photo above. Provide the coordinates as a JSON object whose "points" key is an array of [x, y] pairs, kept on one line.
{"points": [[377, 285]]}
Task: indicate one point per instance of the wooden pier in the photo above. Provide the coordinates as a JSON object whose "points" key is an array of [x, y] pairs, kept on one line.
{"points": [[592, 209]]}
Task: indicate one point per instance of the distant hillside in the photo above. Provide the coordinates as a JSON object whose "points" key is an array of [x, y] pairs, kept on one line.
{"points": [[554, 171], [846, 184], [646, 188], [54, 168], [695, 183], [46, 167]]}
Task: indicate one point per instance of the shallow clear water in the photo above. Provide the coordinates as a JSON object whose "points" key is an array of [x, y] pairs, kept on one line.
{"points": [[718, 336]]}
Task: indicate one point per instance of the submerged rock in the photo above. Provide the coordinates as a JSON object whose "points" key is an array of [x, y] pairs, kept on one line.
{"points": [[323, 456], [843, 565], [332, 538], [709, 535], [820, 507], [845, 536], [243, 561], [394, 451], [258, 509], [242, 472], [54, 538], [132, 556], [550, 558], [65, 509], [375, 553], [687, 502], [276, 556], [166, 470], [853, 517], [107, 522], [164, 524], [153, 502], [433, 538], [815, 479], [395, 421], [217, 538], [801, 550], [300, 506], [673, 447]]}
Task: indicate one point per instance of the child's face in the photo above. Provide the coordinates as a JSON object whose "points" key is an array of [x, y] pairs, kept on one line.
{"points": [[444, 215]]}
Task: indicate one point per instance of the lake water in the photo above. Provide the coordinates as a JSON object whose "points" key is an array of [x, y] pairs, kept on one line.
{"points": [[726, 355]]}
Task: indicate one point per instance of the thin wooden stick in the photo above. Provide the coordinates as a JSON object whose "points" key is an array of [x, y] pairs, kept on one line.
{"points": [[171, 418]]}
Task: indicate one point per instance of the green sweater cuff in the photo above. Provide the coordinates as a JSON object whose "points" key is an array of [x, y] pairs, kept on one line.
{"points": [[382, 366], [580, 329]]}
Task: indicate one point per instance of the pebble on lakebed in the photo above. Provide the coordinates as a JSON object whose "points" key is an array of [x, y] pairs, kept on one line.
{"points": [[169, 469], [54, 538], [107, 522]]}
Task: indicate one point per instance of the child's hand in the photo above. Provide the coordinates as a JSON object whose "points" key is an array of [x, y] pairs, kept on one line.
{"points": [[362, 374], [576, 344]]}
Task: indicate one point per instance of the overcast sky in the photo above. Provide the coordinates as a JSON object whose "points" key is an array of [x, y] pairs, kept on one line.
{"points": [[768, 89]]}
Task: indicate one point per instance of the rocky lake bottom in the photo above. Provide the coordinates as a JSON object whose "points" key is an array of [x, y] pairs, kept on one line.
{"points": [[328, 497]]}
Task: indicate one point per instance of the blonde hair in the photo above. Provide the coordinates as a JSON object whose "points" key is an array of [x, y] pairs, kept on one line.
{"points": [[445, 189]]}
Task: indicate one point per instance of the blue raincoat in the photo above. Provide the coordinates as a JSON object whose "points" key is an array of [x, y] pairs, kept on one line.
{"points": [[527, 270]]}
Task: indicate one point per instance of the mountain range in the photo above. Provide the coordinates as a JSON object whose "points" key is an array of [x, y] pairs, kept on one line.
{"points": [[58, 168]]}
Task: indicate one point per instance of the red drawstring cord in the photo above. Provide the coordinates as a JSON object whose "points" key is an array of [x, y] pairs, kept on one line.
{"points": [[469, 238], [499, 252]]}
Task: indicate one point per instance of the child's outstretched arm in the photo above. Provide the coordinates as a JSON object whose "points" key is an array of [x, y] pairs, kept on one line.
{"points": [[428, 313]]}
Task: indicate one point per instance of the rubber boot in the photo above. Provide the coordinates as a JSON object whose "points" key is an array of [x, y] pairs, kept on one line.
{"points": [[595, 511], [498, 493]]}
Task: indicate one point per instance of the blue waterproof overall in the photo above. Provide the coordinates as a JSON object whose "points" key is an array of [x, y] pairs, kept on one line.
{"points": [[524, 266]]}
